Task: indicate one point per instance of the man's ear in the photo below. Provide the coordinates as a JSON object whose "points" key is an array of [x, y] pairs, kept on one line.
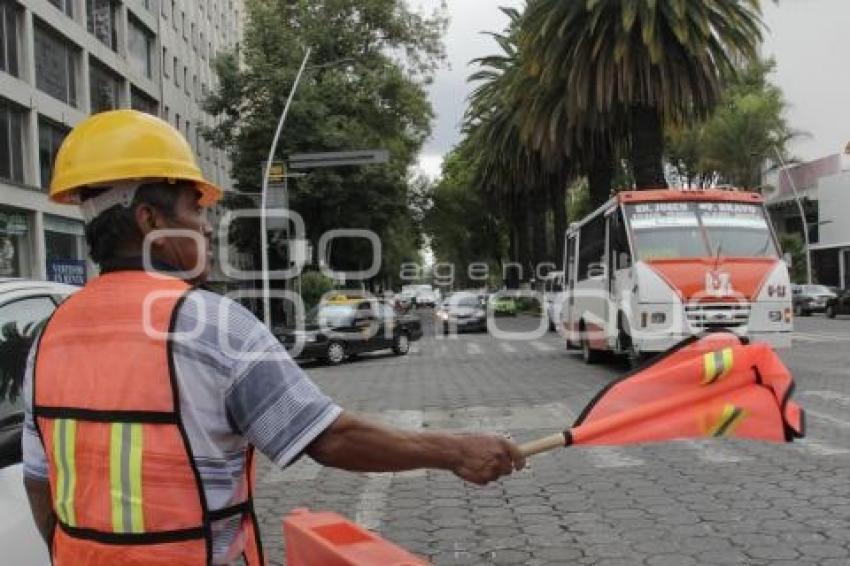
{"points": [[147, 219]]}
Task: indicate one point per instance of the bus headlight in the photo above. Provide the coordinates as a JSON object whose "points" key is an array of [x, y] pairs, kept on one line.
{"points": [[775, 316]]}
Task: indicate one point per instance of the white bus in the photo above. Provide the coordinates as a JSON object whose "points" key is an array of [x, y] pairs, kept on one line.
{"points": [[651, 268]]}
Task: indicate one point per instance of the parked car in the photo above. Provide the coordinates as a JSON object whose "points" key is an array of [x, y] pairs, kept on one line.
{"points": [[503, 306], [840, 304], [24, 306], [462, 311], [809, 299], [344, 327], [427, 297]]}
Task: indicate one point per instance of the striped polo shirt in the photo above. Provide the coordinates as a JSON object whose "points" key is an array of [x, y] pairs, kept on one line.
{"points": [[238, 386]]}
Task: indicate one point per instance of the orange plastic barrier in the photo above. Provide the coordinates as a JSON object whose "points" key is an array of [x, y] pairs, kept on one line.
{"points": [[328, 539]]}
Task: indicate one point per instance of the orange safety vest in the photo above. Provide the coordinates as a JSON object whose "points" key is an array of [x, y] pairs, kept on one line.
{"points": [[123, 482]]}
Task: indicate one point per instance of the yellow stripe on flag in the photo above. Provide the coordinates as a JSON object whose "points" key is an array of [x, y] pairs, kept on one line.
{"points": [[729, 420], [717, 365]]}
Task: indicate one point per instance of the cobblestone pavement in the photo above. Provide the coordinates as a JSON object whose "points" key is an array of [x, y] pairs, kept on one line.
{"points": [[674, 504]]}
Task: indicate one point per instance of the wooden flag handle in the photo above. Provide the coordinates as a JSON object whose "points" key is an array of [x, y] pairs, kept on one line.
{"points": [[544, 444]]}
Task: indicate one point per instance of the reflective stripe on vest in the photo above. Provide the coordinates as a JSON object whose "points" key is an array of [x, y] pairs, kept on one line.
{"points": [[124, 485], [125, 478], [64, 450]]}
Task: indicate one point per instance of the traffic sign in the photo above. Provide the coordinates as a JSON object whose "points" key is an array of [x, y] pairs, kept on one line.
{"points": [[338, 159]]}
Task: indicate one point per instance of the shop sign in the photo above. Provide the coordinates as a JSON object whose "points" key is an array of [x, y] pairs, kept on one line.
{"points": [[68, 271]]}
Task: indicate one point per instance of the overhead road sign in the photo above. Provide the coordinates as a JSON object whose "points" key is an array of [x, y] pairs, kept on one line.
{"points": [[338, 159]]}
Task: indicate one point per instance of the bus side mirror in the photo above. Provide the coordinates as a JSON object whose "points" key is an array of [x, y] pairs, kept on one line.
{"points": [[624, 261], [788, 259]]}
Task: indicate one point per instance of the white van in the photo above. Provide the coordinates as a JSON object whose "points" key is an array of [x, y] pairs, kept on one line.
{"points": [[553, 299]]}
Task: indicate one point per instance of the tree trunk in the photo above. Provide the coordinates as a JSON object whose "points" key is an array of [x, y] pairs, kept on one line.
{"points": [[600, 176], [647, 154], [558, 197], [538, 225]]}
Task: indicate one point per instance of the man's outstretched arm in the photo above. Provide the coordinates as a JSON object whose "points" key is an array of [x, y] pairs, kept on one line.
{"points": [[38, 493], [355, 444]]}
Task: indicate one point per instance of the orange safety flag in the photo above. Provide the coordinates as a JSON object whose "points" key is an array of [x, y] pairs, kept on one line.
{"points": [[710, 386]]}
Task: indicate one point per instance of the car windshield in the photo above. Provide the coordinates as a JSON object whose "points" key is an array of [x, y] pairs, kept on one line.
{"points": [[465, 301], [671, 230], [331, 315], [816, 290]]}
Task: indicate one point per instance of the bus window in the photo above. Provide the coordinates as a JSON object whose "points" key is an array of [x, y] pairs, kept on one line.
{"points": [[620, 252], [592, 246]]}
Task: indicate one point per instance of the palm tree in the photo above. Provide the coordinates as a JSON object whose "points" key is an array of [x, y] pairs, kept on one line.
{"points": [[640, 63], [527, 177]]}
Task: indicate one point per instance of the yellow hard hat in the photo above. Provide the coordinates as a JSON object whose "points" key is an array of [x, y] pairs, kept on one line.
{"points": [[124, 145]]}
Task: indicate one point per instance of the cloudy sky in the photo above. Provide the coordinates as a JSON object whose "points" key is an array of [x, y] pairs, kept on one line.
{"points": [[808, 38]]}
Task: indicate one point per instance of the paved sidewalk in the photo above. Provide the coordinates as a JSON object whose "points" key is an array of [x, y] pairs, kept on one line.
{"points": [[684, 503]]}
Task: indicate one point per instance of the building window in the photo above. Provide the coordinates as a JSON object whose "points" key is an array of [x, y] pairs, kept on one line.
{"points": [[66, 6], [183, 20], [14, 243], [163, 8], [102, 21], [165, 62], [142, 102], [11, 137], [166, 113], [203, 46], [176, 72], [9, 37], [177, 121], [50, 137], [139, 47], [174, 14], [104, 88], [65, 246], [55, 66], [195, 90], [186, 79]]}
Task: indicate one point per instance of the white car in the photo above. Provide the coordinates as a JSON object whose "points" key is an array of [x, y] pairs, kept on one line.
{"points": [[23, 306]]}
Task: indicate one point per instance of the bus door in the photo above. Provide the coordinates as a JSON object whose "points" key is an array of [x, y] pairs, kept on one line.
{"points": [[591, 292], [620, 261], [569, 319]]}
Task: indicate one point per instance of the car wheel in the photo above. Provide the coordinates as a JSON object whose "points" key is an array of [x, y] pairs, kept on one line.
{"points": [[335, 353], [830, 311], [401, 344], [588, 354]]}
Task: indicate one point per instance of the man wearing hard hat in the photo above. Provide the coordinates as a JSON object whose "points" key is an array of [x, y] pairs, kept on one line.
{"points": [[147, 396]]}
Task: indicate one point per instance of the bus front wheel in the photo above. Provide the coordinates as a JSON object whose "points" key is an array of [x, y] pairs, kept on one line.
{"points": [[588, 354]]}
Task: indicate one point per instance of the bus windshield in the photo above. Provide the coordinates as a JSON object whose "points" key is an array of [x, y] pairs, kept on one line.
{"points": [[672, 230]]}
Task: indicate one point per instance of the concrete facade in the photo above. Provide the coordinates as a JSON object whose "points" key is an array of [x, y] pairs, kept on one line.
{"points": [[824, 187], [62, 60]]}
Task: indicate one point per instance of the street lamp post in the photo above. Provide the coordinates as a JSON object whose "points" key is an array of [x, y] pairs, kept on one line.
{"points": [[264, 237], [802, 214]]}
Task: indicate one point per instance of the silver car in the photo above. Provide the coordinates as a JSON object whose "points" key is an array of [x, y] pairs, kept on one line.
{"points": [[24, 305]]}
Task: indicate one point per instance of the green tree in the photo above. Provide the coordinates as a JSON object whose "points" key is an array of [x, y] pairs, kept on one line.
{"points": [[365, 87], [743, 134], [461, 226], [641, 62]]}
